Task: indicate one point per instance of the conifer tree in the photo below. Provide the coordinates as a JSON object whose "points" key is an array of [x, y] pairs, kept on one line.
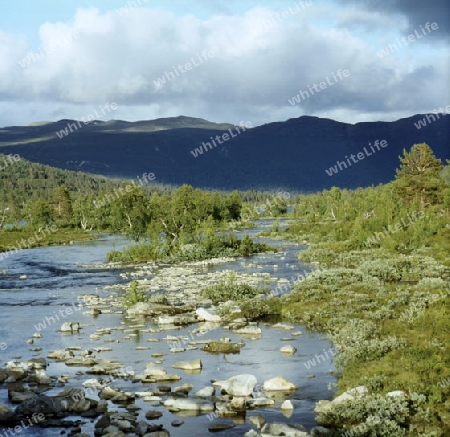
{"points": [[418, 175]]}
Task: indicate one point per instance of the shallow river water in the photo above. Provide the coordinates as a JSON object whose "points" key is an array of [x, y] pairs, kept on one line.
{"points": [[55, 278]]}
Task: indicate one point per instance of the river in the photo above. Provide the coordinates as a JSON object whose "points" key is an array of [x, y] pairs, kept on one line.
{"points": [[35, 284]]}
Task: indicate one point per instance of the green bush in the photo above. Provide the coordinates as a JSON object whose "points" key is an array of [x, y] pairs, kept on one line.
{"points": [[159, 299], [199, 248], [134, 295], [381, 269], [254, 309], [229, 290], [376, 415]]}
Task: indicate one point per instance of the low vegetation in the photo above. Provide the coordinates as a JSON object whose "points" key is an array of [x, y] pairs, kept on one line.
{"points": [[230, 289], [382, 295], [200, 248], [20, 238], [134, 295]]}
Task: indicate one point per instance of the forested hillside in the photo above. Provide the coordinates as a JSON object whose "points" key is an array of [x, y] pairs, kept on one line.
{"points": [[298, 154]]}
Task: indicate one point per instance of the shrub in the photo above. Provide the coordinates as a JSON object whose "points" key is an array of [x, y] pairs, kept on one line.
{"points": [[229, 290], [159, 299], [201, 247], [381, 269], [376, 415], [334, 279], [134, 295], [253, 309], [358, 342], [432, 283]]}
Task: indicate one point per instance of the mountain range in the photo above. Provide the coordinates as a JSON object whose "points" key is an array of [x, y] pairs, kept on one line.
{"points": [[302, 154]]}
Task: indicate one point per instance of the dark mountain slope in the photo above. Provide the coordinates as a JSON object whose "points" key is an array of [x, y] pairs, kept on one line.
{"points": [[293, 154]]}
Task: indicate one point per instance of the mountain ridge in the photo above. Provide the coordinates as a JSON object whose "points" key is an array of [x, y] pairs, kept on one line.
{"points": [[292, 154]]}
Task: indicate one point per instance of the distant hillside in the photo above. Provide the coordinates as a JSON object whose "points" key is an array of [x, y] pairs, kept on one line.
{"points": [[23, 180], [294, 154]]}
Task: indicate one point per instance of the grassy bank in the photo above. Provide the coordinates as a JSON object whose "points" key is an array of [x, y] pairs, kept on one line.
{"points": [[389, 314], [200, 247], [381, 293], [23, 238]]}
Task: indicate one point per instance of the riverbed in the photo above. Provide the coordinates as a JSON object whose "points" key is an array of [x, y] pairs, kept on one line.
{"points": [[36, 284]]}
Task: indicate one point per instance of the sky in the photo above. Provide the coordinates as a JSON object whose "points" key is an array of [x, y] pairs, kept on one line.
{"points": [[255, 61]]}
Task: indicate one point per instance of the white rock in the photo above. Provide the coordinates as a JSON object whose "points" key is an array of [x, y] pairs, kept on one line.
{"points": [[284, 326], [359, 391], [151, 369], [240, 385], [287, 405], [278, 383], [322, 406], [249, 330], [70, 327], [278, 429], [206, 392], [342, 398], [396, 393], [238, 403], [260, 402], [166, 320], [189, 404], [17, 369], [93, 383], [188, 365], [183, 388], [42, 377], [206, 316], [351, 394], [288, 350]]}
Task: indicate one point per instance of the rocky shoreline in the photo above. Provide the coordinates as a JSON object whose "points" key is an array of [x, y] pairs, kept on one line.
{"points": [[226, 400]]}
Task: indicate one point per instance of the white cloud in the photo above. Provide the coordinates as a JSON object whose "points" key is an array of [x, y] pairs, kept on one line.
{"points": [[255, 70]]}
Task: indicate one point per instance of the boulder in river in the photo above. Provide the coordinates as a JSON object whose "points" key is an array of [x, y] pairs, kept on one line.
{"points": [[287, 405], [60, 355], [206, 392], [278, 383], [189, 404], [257, 420], [249, 330], [240, 385], [205, 315], [40, 404], [221, 347], [288, 350], [70, 327], [216, 427], [283, 429], [188, 365], [17, 370]]}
